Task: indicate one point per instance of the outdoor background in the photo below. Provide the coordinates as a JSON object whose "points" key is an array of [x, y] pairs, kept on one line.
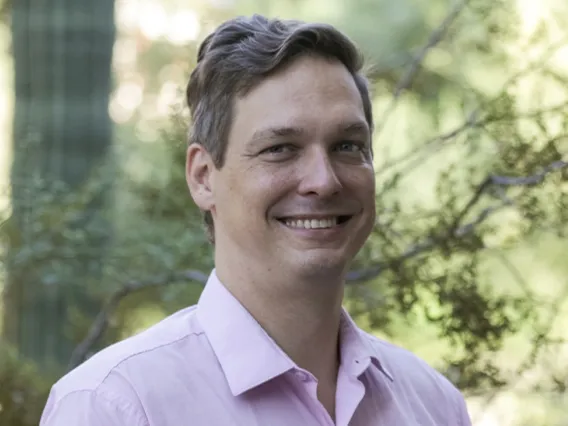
{"points": [[467, 266]]}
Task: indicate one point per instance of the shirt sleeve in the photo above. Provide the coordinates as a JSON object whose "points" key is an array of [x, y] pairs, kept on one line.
{"points": [[91, 408]]}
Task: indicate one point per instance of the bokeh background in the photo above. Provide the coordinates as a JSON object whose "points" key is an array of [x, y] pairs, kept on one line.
{"points": [[467, 265]]}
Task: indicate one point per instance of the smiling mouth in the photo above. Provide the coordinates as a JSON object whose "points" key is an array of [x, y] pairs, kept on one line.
{"points": [[320, 223]]}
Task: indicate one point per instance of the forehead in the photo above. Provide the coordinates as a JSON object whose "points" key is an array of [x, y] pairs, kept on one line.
{"points": [[311, 93]]}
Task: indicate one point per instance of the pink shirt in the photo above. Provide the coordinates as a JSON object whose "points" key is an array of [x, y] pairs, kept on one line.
{"points": [[213, 365]]}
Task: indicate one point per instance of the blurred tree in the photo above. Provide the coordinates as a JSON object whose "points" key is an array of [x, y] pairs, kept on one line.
{"points": [[470, 142], [62, 135]]}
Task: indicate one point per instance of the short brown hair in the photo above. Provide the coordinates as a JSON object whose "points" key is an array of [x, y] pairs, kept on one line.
{"points": [[238, 55]]}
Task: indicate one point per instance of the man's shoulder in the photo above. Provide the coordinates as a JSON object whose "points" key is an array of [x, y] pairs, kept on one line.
{"points": [[408, 369], [112, 367]]}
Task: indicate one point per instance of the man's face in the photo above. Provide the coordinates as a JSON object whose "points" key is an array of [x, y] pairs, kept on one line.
{"points": [[297, 191]]}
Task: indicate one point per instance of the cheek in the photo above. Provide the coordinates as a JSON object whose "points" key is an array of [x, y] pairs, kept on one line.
{"points": [[361, 182], [253, 188]]}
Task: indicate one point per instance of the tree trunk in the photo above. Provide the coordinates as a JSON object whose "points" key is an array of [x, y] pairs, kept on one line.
{"points": [[62, 130]]}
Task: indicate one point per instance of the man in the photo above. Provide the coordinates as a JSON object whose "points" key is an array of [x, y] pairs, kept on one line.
{"points": [[280, 163]]}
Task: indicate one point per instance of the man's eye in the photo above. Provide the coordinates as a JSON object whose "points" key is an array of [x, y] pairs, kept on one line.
{"points": [[278, 149], [349, 146]]}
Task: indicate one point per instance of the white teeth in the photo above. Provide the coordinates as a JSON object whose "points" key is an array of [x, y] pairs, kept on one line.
{"points": [[312, 223]]}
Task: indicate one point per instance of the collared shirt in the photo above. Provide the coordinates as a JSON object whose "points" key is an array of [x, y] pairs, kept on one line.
{"points": [[213, 365]]}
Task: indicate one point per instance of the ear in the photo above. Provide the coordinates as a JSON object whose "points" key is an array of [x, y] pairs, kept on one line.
{"points": [[199, 170]]}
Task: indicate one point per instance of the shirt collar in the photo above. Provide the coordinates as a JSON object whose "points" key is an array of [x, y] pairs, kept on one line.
{"points": [[248, 355], [357, 351]]}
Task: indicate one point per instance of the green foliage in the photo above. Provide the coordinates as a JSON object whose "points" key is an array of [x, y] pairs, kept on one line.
{"points": [[49, 248], [5, 9], [23, 391], [465, 182]]}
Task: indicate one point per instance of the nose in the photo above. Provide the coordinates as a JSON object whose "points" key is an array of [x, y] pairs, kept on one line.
{"points": [[318, 175]]}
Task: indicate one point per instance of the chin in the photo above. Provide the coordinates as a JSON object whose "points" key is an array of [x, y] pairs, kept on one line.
{"points": [[320, 264]]}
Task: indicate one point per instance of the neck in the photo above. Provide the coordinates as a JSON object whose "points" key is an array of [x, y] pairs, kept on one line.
{"points": [[301, 314]]}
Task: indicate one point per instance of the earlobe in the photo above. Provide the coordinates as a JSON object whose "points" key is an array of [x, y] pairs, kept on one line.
{"points": [[199, 176]]}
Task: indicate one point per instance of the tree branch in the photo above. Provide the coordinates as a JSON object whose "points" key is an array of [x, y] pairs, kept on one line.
{"points": [[460, 231], [435, 38], [529, 180], [420, 153], [101, 322]]}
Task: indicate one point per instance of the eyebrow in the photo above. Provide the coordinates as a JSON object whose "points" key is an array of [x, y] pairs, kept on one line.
{"points": [[360, 128], [275, 133], [354, 128]]}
